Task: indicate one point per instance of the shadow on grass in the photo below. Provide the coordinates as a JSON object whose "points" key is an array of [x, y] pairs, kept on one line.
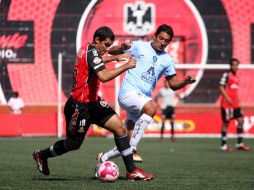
{"points": [[78, 178]]}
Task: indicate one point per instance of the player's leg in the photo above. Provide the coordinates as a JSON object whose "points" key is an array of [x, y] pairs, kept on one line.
{"points": [[140, 110], [113, 153], [115, 125], [226, 115], [130, 124], [122, 142], [148, 111], [163, 117], [135, 122], [162, 129], [76, 128], [240, 121], [172, 122]]}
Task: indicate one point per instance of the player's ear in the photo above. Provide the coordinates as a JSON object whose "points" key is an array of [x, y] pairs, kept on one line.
{"points": [[97, 40]]}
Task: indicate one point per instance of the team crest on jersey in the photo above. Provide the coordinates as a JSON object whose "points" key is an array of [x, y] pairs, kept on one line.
{"points": [[97, 60], [139, 18], [155, 59], [103, 103]]}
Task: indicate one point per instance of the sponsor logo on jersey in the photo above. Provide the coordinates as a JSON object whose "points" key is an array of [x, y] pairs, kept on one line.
{"points": [[95, 53], [234, 86], [104, 103], [97, 60]]}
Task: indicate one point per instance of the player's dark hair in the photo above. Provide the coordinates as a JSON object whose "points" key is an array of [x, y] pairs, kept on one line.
{"points": [[232, 60], [104, 32], [15, 94], [165, 28]]}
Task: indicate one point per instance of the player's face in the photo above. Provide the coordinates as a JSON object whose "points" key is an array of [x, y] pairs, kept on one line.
{"points": [[161, 41], [103, 46], [234, 66], [166, 85]]}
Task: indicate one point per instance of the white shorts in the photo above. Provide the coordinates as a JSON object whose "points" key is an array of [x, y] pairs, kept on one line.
{"points": [[133, 103]]}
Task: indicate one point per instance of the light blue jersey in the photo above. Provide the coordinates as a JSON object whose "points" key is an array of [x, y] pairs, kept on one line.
{"points": [[151, 65]]}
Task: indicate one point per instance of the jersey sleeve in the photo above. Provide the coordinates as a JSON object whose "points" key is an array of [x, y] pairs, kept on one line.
{"points": [[170, 69], [95, 61], [224, 79], [132, 51]]}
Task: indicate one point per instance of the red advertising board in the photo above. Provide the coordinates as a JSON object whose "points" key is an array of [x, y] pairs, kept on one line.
{"points": [[186, 124]]}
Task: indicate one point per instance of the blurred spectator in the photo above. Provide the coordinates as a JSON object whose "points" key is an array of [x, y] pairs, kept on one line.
{"points": [[16, 103], [167, 106], [230, 106]]}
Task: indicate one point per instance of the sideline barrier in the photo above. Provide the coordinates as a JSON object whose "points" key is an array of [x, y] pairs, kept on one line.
{"points": [[190, 120]]}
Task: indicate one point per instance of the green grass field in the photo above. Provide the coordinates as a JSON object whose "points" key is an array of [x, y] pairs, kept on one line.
{"points": [[189, 163]]}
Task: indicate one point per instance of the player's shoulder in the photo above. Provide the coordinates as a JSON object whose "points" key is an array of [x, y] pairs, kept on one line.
{"points": [[225, 74], [140, 43], [82, 50], [91, 50], [167, 58]]}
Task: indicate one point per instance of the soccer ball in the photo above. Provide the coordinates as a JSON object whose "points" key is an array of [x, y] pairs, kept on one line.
{"points": [[108, 172]]}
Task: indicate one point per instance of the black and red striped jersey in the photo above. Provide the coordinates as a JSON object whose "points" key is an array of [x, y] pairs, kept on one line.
{"points": [[85, 81], [231, 85]]}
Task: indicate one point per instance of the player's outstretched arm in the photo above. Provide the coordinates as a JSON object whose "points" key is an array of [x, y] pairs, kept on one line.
{"points": [[176, 84], [116, 50], [109, 74], [118, 58]]}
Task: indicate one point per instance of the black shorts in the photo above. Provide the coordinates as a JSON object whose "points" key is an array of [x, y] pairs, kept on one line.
{"points": [[79, 116], [228, 114], [168, 112]]}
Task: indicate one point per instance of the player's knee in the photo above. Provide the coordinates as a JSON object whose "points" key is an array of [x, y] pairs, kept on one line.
{"points": [[149, 109], [240, 121], [225, 125], [120, 131], [130, 124]]}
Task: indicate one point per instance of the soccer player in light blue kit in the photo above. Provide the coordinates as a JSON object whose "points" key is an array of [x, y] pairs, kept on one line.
{"points": [[138, 84]]}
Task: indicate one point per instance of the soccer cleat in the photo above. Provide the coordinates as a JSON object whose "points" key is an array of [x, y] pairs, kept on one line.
{"points": [[42, 164], [137, 157], [138, 174], [226, 148], [173, 139], [99, 161], [242, 147]]}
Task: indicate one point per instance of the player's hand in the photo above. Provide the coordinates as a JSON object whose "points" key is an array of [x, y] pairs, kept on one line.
{"points": [[229, 100], [126, 45], [131, 63], [189, 79], [123, 57]]}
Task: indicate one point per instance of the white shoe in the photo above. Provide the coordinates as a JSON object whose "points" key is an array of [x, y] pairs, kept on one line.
{"points": [[99, 161], [137, 157], [226, 148]]}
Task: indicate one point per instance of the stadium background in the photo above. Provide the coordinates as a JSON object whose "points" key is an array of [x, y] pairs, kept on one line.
{"points": [[207, 32]]}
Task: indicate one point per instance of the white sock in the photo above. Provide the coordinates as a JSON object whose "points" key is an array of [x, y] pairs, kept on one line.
{"points": [[139, 129], [110, 154]]}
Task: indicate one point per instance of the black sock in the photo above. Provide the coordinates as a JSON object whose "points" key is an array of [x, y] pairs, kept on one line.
{"points": [[223, 137], [55, 150], [239, 134], [172, 129], [124, 148], [162, 129]]}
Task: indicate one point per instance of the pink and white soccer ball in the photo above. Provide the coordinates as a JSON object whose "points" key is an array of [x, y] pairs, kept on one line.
{"points": [[108, 172]]}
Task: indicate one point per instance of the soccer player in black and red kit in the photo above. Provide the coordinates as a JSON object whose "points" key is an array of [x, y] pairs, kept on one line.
{"points": [[230, 108], [85, 107]]}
